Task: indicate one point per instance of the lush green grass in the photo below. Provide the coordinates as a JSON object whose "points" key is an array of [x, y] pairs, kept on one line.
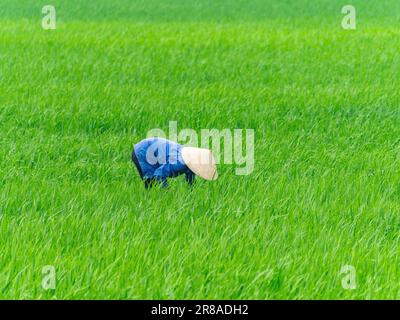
{"points": [[324, 104]]}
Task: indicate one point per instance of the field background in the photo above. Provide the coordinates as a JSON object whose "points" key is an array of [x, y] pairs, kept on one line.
{"points": [[324, 104]]}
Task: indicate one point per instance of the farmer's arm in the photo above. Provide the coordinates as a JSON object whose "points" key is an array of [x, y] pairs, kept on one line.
{"points": [[190, 176], [160, 174]]}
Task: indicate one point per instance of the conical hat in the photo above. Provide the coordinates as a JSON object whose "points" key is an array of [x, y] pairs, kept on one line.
{"points": [[201, 162]]}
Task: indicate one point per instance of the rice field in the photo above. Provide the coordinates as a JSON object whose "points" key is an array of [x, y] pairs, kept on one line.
{"points": [[325, 190]]}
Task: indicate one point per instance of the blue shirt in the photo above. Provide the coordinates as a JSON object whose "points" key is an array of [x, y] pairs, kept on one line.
{"points": [[160, 159]]}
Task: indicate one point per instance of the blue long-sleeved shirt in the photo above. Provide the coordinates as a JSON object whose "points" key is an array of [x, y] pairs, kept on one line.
{"points": [[160, 159]]}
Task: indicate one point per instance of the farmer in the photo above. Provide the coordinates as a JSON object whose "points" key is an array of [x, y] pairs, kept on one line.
{"points": [[157, 159]]}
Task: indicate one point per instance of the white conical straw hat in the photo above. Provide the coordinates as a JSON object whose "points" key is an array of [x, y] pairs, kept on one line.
{"points": [[201, 162]]}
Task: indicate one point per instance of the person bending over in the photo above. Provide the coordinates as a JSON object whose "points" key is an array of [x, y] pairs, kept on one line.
{"points": [[157, 159]]}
